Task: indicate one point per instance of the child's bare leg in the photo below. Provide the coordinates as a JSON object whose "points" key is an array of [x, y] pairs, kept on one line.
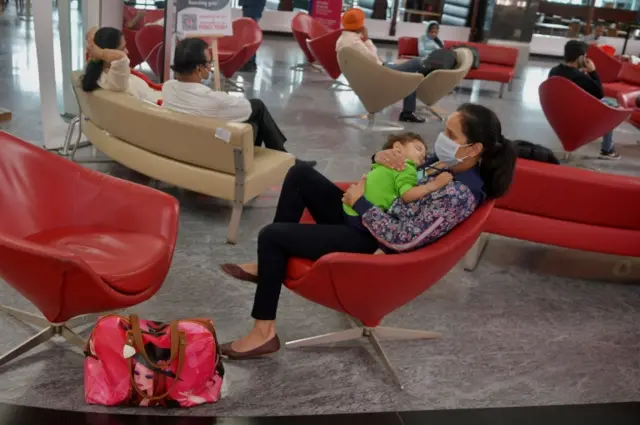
{"points": [[379, 252]]}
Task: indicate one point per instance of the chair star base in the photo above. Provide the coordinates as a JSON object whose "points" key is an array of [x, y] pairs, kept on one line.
{"points": [[306, 66], [50, 330], [371, 123], [374, 335]]}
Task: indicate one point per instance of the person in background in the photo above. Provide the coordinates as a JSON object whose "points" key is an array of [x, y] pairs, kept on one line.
{"points": [[598, 31], [429, 41], [108, 66], [581, 70], [356, 35], [133, 18], [252, 9], [188, 94]]}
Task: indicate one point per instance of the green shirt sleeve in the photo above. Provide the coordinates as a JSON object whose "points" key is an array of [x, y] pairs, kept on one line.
{"points": [[406, 179]]}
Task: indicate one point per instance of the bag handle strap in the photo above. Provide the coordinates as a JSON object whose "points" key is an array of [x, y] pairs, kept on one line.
{"points": [[136, 334], [182, 343]]}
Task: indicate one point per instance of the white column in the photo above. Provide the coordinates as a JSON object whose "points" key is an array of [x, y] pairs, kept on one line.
{"points": [[111, 14], [90, 13], [64, 19], [53, 127]]}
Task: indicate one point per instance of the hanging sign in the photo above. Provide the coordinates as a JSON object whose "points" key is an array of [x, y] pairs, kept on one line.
{"points": [[203, 18], [328, 12]]}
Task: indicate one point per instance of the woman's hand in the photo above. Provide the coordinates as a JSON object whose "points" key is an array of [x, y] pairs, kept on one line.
{"points": [[390, 158], [355, 192], [90, 36]]}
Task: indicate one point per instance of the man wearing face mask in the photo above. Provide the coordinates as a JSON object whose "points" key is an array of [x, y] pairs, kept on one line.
{"points": [[190, 93]]}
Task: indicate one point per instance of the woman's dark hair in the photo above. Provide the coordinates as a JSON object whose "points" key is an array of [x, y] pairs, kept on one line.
{"points": [[190, 53], [105, 38], [498, 158], [403, 138]]}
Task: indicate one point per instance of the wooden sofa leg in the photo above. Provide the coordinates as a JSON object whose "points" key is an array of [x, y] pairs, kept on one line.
{"points": [[472, 258], [501, 90], [234, 223]]}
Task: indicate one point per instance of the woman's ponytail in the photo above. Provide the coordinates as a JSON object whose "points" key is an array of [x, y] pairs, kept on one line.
{"points": [[91, 75], [497, 167]]}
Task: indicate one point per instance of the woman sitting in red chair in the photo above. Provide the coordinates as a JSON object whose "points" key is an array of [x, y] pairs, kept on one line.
{"points": [[472, 148], [108, 66]]}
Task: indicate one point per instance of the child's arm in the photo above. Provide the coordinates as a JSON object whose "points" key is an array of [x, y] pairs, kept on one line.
{"points": [[421, 191]]}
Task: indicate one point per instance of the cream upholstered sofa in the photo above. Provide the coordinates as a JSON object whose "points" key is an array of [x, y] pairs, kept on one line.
{"points": [[205, 155], [442, 82]]}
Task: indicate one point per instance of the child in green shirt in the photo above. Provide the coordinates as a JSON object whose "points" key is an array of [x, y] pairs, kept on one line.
{"points": [[383, 185]]}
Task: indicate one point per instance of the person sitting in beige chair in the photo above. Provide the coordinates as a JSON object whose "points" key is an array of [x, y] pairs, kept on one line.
{"points": [[355, 34], [187, 94]]}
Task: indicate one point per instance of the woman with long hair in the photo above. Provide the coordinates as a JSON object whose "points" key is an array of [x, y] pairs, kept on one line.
{"points": [[429, 41], [108, 66], [472, 148]]}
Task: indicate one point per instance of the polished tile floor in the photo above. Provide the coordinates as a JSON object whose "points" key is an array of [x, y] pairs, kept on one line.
{"points": [[533, 325]]}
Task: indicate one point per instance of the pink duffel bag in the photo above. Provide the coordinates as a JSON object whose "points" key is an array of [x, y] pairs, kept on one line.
{"points": [[136, 362]]}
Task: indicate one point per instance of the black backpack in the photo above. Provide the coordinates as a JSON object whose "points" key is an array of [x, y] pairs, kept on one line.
{"points": [[438, 59], [528, 150]]}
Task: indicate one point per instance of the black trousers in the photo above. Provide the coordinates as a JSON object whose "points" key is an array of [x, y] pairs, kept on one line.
{"points": [[265, 128], [303, 187]]}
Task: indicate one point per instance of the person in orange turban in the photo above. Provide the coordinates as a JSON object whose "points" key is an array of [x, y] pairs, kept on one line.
{"points": [[355, 35]]}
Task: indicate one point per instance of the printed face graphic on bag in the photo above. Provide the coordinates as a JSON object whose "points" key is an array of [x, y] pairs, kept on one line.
{"points": [[143, 377]]}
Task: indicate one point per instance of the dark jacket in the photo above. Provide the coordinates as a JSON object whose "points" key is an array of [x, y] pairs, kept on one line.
{"points": [[588, 82]]}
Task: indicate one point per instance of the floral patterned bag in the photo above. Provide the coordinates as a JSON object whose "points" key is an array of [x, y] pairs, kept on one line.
{"points": [[136, 362]]}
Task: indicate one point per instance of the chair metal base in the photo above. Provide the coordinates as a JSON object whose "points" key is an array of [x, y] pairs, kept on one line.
{"points": [[340, 86], [371, 124], [472, 258], [432, 111], [304, 66], [50, 330], [373, 335]]}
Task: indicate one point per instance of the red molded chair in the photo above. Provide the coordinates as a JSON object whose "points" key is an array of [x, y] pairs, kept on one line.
{"points": [[135, 58], [559, 97], [304, 28], [324, 50], [628, 100], [368, 287], [150, 43], [155, 86], [407, 47], [236, 50], [608, 67], [74, 241]]}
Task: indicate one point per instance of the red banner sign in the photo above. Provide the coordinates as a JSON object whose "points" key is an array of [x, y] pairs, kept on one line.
{"points": [[328, 12]]}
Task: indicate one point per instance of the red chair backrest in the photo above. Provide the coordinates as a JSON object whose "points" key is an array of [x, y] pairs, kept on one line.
{"points": [[324, 50], [150, 43], [568, 193], [135, 58], [305, 24], [246, 32], [407, 46], [489, 53], [610, 50], [559, 97], [629, 73], [608, 67]]}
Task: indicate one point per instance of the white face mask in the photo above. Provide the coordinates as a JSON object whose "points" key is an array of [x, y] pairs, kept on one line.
{"points": [[207, 81], [446, 150]]}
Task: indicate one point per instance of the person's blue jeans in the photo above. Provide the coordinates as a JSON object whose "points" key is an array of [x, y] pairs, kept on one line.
{"points": [[253, 9], [413, 65], [607, 139], [607, 142]]}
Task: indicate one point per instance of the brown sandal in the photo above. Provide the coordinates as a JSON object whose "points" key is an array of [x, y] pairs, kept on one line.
{"points": [[237, 272], [269, 347]]}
